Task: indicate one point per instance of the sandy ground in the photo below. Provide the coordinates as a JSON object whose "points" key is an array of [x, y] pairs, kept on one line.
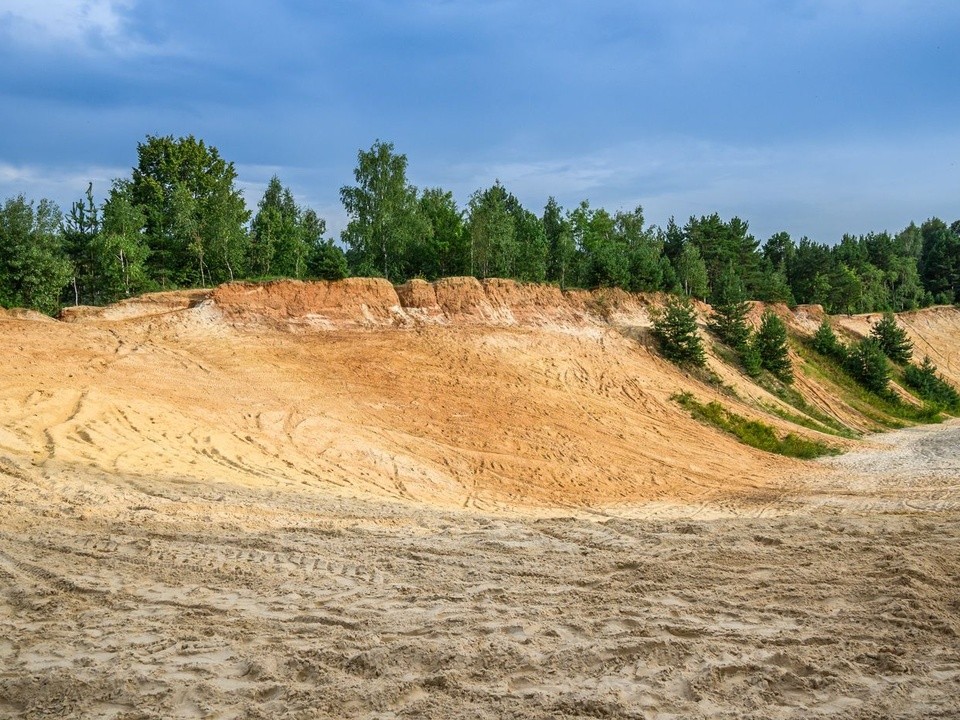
{"points": [[199, 600], [211, 519]]}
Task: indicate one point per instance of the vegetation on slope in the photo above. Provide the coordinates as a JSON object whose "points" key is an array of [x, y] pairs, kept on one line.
{"points": [[859, 374], [753, 432]]}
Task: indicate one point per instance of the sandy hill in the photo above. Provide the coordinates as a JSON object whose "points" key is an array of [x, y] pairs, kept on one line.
{"points": [[457, 500], [458, 393]]}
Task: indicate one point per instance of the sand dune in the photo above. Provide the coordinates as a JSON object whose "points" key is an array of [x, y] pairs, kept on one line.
{"points": [[450, 500]]}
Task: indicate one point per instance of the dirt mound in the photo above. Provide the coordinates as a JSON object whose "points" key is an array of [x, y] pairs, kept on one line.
{"points": [[493, 402], [147, 305], [24, 314]]}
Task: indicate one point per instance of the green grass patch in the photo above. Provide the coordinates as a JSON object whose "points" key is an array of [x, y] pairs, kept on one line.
{"points": [[886, 410], [808, 422], [726, 353], [753, 432], [813, 417]]}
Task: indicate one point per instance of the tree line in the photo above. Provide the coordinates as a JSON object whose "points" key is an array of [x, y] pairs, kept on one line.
{"points": [[179, 220]]}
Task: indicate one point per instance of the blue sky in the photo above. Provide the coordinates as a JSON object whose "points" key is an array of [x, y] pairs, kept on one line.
{"points": [[818, 117]]}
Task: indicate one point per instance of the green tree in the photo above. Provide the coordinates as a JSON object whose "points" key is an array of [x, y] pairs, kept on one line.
{"points": [[809, 269], [384, 213], [34, 268], [845, 290], [730, 310], [892, 339], [772, 286], [442, 251], [492, 233], [601, 251], [642, 249], [194, 215], [826, 342], [675, 328], [750, 360], [561, 250], [79, 229], [779, 250], [276, 217], [530, 242], [692, 272], [223, 235], [327, 262], [280, 243], [119, 251], [724, 243], [939, 262], [901, 270], [770, 342], [673, 241], [868, 364]]}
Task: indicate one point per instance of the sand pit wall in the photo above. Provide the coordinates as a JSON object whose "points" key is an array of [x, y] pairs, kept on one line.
{"points": [[374, 302]]}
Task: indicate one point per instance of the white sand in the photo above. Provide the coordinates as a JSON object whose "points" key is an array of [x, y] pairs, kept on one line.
{"points": [[127, 599]]}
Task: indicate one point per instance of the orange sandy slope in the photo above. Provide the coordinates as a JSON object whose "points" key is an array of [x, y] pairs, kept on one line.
{"points": [[457, 393]]}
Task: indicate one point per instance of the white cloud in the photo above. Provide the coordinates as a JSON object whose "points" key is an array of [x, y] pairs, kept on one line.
{"points": [[75, 22], [63, 185]]}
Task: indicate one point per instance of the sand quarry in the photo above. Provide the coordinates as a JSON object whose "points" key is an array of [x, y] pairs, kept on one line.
{"points": [[451, 500]]}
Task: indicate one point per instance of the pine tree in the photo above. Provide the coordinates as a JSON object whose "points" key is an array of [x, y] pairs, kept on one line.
{"points": [[675, 328], [750, 360], [771, 344], [868, 364], [730, 311], [825, 341], [893, 339]]}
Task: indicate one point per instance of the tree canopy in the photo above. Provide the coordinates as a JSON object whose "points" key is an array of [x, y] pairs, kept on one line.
{"points": [[194, 215], [33, 263], [384, 213], [180, 220]]}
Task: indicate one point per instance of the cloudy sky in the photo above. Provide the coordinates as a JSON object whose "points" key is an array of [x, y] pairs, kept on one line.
{"points": [[818, 117]]}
